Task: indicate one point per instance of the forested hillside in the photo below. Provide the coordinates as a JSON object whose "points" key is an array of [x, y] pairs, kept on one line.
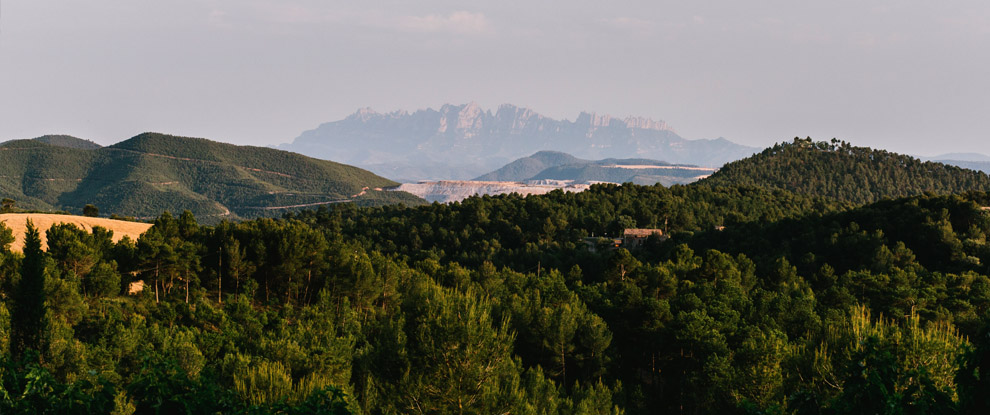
{"points": [[151, 173], [840, 171], [60, 140], [762, 301]]}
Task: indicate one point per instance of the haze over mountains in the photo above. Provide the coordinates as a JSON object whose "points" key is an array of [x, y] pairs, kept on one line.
{"points": [[464, 141], [546, 171], [150, 173], [558, 166], [973, 161]]}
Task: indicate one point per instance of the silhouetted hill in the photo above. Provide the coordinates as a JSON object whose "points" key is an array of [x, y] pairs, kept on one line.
{"points": [[842, 172], [68, 141], [527, 167], [983, 166], [962, 157], [557, 166], [151, 173]]}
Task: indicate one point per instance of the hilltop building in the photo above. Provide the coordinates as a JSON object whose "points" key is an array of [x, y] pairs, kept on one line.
{"points": [[631, 238]]}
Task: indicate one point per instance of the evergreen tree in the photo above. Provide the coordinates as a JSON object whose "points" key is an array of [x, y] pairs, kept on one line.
{"points": [[7, 205], [6, 237], [27, 320], [91, 211]]}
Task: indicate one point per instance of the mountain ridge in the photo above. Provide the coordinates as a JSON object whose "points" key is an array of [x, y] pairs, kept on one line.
{"points": [[481, 140], [152, 172], [526, 167], [545, 166], [977, 157], [62, 140], [840, 171], [983, 166]]}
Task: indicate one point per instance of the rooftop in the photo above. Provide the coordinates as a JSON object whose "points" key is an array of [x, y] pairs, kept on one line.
{"points": [[641, 233]]}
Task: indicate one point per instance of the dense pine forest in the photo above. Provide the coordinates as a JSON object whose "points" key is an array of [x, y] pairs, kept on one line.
{"points": [[763, 300], [841, 171]]}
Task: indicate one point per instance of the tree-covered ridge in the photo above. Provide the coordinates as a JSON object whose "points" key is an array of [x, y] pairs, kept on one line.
{"points": [[509, 229], [840, 171], [151, 173], [496, 305], [61, 140], [795, 307]]}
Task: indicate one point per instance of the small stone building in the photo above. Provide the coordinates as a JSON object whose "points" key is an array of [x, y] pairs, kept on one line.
{"points": [[633, 238]]}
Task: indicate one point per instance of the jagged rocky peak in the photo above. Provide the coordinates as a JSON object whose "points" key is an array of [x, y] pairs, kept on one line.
{"points": [[472, 117], [643, 123], [512, 111], [367, 114], [595, 120], [364, 114], [468, 134], [463, 118], [514, 119]]}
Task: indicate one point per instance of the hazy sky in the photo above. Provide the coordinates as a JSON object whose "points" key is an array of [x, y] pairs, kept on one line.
{"points": [[909, 76]]}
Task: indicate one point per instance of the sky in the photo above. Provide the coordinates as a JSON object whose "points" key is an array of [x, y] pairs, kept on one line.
{"points": [[905, 75]]}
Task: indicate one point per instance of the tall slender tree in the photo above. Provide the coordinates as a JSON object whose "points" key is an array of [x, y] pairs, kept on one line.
{"points": [[27, 317]]}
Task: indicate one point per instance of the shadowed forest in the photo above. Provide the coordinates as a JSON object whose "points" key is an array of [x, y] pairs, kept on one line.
{"points": [[770, 297]]}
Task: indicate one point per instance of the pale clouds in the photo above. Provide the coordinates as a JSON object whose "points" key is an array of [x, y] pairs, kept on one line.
{"points": [[459, 22], [630, 24], [218, 18]]}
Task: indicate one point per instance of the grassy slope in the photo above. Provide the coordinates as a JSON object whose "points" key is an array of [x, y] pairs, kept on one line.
{"points": [[151, 173]]}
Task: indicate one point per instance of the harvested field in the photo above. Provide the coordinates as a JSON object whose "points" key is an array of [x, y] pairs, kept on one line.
{"points": [[18, 223]]}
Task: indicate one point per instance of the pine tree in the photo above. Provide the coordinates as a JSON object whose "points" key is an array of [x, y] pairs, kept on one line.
{"points": [[28, 315], [6, 237]]}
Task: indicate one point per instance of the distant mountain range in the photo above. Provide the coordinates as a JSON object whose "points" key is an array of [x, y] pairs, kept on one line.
{"points": [[151, 173], [983, 166], [961, 157], [465, 141], [546, 171], [972, 161], [558, 166]]}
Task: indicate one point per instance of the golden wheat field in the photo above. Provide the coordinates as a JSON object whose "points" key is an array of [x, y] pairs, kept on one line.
{"points": [[18, 223]]}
